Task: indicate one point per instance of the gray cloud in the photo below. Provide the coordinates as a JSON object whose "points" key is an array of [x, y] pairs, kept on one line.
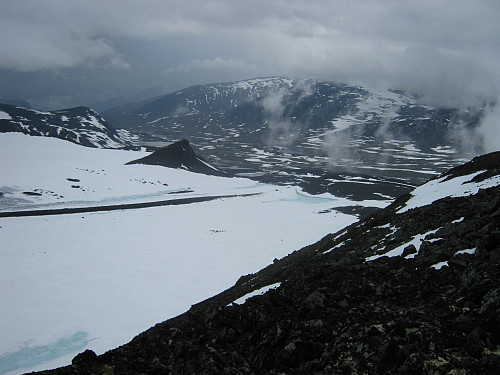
{"points": [[489, 131], [210, 65], [281, 130], [89, 51]]}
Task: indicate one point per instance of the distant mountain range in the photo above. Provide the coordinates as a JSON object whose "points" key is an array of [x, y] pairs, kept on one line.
{"points": [[78, 125], [411, 289], [322, 136], [290, 125]]}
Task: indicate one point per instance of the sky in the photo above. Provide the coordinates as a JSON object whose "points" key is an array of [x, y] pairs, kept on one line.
{"points": [[62, 53]]}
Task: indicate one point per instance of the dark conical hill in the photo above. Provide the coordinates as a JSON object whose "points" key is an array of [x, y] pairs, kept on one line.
{"points": [[179, 155]]}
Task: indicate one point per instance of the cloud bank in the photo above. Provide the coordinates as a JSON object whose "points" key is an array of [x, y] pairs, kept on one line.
{"points": [[445, 50]]}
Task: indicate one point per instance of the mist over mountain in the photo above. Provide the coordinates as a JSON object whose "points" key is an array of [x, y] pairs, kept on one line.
{"points": [[319, 135], [288, 112]]}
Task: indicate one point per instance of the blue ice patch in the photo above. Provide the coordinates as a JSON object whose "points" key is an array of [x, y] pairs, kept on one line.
{"points": [[30, 356]]}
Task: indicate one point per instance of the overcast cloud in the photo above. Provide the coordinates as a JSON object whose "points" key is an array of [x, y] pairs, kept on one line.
{"points": [[60, 53]]}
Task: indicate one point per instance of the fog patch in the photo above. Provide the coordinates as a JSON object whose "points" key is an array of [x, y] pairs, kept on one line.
{"points": [[489, 129], [344, 148], [278, 109], [339, 146], [440, 79], [281, 129], [466, 136], [180, 110]]}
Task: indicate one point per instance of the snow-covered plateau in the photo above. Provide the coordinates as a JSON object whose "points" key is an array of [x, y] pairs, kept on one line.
{"points": [[95, 280]]}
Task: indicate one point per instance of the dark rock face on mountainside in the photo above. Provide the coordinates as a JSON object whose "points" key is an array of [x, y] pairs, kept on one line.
{"points": [[79, 125], [411, 289], [179, 155]]}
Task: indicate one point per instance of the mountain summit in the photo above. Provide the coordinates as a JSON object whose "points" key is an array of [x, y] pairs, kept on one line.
{"points": [[411, 289], [179, 155]]}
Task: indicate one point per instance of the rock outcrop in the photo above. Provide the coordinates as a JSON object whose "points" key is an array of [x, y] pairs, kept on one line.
{"points": [[179, 155]]}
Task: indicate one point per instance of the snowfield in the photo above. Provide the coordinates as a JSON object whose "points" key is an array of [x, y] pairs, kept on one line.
{"points": [[461, 186], [96, 280], [257, 292]]}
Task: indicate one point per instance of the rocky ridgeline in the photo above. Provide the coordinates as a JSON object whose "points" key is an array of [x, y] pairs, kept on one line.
{"points": [[403, 291], [79, 125]]}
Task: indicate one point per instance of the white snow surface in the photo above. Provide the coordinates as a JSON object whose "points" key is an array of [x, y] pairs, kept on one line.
{"points": [[5, 116], [96, 280], [258, 83], [466, 251], [257, 292], [398, 251], [381, 103], [440, 265], [439, 188]]}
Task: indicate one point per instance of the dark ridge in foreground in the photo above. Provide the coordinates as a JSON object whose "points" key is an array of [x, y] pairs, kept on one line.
{"points": [[179, 155], [336, 311]]}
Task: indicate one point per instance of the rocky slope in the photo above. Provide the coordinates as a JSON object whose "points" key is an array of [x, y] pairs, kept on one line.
{"points": [[179, 155], [79, 125], [411, 289]]}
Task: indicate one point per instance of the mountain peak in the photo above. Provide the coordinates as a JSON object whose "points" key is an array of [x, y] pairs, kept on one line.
{"points": [[183, 145], [179, 155]]}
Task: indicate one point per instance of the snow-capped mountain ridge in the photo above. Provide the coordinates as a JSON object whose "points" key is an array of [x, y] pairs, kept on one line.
{"points": [[304, 125], [80, 125], [211, 98]]}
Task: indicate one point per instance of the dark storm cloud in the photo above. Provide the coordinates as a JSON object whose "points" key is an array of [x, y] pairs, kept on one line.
{"points": [[91, 51]]}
